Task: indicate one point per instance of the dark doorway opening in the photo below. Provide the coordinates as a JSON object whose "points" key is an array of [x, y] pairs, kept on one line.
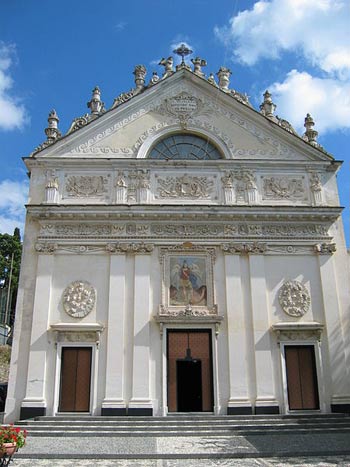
{"points": [[301, 377], [75, 379], [189, 370], [189, 385]]}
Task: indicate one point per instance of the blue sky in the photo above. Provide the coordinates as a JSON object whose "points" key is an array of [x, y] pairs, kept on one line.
{"points": [[52, 54]]}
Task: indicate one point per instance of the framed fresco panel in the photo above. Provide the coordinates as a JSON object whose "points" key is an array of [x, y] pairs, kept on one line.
{"points": [[187, 281]]}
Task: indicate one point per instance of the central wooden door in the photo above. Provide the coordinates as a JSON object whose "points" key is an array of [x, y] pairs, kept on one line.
{"points": [[301, 377], [189, 371], [75, 379]]}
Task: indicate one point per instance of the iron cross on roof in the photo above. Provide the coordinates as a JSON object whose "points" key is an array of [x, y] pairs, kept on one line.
{"points": [[183, 50]]}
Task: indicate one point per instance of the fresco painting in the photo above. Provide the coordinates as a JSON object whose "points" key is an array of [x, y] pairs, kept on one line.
{"points": [[188, 281]]}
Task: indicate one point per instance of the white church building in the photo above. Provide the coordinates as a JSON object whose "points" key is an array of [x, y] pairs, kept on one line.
{"points": [[183, 253]]}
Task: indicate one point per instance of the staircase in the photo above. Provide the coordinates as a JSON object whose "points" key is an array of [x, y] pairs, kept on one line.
{"points": [[186, 437]]}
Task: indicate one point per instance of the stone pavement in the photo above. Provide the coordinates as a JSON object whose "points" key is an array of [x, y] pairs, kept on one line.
{"points": [[327, 461]]}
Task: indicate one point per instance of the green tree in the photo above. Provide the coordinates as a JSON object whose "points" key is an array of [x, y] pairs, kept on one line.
{"points": [[10, 246]]}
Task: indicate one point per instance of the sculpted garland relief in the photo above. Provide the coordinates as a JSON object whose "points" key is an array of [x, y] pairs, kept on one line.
{"points": [[185, 187], [294, 298], [85, 186], [284, 188], [79, 299]]}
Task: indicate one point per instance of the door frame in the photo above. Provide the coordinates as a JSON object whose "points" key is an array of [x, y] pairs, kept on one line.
{"points": [[60, 346], [319, 375], [192, 327]]}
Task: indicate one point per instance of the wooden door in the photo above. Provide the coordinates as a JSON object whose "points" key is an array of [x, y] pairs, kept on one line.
{"points": [[301, 377], [75, 379], [190, 379]]}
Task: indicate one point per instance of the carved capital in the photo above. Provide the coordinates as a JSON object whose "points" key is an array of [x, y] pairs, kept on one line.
{"points": [[325, 248], [46, 248]]}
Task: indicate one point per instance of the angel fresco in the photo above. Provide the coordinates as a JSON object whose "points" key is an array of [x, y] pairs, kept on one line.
{"points": [[188, 281]]}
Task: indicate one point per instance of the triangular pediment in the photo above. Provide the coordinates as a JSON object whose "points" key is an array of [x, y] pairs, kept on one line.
{"points": [[184, 102]]}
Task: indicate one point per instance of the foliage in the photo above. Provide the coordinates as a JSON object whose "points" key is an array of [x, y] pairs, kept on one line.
{"points": [[12, 434], [10, 245]]}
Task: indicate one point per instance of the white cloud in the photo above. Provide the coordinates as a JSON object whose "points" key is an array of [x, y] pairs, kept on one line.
{"points": [[327, 100], [318, 28], [12, 112], [120, 26], [13, 196]]}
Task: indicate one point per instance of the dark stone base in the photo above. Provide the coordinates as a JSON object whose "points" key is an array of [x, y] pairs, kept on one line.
{"points": [[140, 412], [113, 412], [239, 410], [32, 412], [267, 410], [340, 408]]}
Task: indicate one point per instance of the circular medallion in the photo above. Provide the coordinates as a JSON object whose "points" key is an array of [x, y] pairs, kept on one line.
{"points": [[294, 298], [79, 299]]}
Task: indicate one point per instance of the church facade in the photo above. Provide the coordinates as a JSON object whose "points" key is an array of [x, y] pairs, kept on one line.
{"points": [[183, 253]]}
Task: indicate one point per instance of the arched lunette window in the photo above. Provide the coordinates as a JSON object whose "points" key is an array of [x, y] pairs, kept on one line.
{"points": [[184, 146]]}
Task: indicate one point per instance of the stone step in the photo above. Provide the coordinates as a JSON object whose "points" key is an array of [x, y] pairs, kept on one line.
{"points": [[179, 426]]}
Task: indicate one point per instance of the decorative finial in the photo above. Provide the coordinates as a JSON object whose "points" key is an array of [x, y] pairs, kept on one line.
{"points": [[52, 132], [267, 108], [95, 105], [224, 78], [155, 78], [310, 134], [198, 63], [140, 73], [211, 79], [183, 50], [167, 63]]}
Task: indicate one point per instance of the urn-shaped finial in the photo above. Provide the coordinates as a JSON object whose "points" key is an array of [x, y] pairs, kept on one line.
{"points": [[310, 134], [267, 108], [140, 74], [224, 78], [52, 132], [95, 105]]}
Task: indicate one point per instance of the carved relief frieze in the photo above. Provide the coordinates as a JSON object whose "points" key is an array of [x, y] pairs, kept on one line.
{"points": [[86, 186], [189, 312], [79, 299], [151, 131], [294, 298], [278, 149], [185, 187], [308, 333], [85, 147], [287, 187], [281, 230], [244, 248], [135, 248]]}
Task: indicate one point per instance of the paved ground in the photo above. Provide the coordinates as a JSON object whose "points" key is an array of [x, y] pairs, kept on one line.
{"points": [[340, 461], [195, 447]]}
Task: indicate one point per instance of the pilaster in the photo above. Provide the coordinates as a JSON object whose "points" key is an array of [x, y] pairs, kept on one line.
{"points": [[34, 403], [114, 403], [266, 402], [140, 403], [239, 402], [340, 393]]}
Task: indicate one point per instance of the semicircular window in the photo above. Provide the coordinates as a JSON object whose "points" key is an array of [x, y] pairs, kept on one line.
{"points": [[180, 146]]}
